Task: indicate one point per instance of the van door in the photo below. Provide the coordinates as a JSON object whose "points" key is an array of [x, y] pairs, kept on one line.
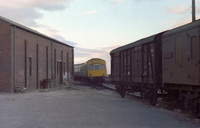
{"points": [[193, 65]]}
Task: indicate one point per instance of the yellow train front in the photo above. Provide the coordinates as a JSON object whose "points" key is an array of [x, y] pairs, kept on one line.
{"points": [[94, 70]]}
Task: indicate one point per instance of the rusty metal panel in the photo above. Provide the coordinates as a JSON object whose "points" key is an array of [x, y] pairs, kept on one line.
{"points": [[115, 66], [152, 63], [121, 66], [124, 65], [137, 65], [128, 65], [132, 61]]}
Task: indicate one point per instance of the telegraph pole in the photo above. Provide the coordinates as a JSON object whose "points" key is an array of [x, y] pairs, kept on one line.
{"points": [[193, 11]]}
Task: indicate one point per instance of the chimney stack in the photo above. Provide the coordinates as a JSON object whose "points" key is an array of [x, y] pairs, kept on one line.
{"points": [[193, 11]]}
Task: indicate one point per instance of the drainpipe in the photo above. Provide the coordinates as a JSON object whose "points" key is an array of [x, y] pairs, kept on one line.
{"points": [[14, 59], [52, 69]]}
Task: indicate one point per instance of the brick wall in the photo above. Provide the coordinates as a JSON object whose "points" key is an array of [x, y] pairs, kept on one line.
{"points": [[35, 51], [41, 52], [5, 57]]}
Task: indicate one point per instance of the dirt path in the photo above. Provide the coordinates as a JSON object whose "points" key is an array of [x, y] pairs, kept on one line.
{"points": [[81, 107]]}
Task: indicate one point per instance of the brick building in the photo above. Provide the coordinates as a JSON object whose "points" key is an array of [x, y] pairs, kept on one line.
{"points": [[27, 58]]}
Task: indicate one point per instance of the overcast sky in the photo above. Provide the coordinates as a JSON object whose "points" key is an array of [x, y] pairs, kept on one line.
{"points": [[95, 27]]}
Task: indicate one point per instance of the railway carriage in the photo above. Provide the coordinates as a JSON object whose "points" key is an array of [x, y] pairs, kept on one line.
{"points": [[165, 63], [181, 64], [136, 67]]}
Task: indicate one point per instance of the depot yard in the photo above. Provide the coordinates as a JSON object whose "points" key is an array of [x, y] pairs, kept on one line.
{"points": [[78, 106]]}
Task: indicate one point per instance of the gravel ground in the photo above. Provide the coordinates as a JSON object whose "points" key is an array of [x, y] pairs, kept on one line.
{"points": [[83, 107]]}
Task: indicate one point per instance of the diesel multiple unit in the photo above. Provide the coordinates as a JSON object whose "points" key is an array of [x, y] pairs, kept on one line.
{"points": [[93, 70]]}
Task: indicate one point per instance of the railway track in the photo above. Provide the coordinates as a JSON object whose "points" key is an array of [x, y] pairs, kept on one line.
{"points": [[101, 87], [94, 85]]}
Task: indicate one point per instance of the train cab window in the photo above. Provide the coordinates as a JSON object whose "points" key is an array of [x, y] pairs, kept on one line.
{"points": [[179, 50], [96, 66], [102, 67], [193, 47], [91, 67]]}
